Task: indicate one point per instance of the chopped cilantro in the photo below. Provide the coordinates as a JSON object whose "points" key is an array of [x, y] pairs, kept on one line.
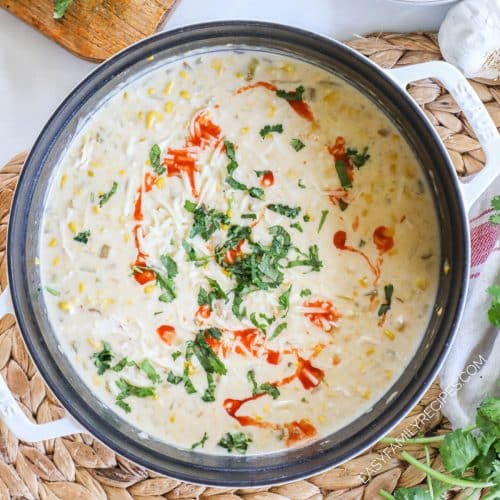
{"points": [[166, 280], [284, 300], [262, 326], [53, 291], [249, 216], [341, 168], [206, 221], [306, 218], [324, 214], [122, 364], [297, 144], [201, 442], [359, 159], [174, 379], [267, 388], [269, 129], [385, 307], [237, 441], [305, 292], [278, 330], [191, 254], [209, 394], [343, 205], [207, 298], [154, 158], [297, 226], [102, 359], [150, 371], [82, 237], [301, 184], [285, 210], [176, 354], [127, 390], [312, 259], [104, 198], [254, 192], [296, 95]]}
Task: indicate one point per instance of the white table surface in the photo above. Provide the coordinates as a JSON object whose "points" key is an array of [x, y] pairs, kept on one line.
{"points": [[35, 73]]}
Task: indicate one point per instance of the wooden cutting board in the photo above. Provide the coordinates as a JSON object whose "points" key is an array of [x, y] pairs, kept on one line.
{"points": [[94, 29]]}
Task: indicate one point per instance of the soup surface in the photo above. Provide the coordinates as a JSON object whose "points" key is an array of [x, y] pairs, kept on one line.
{"points": [[239, 253]]}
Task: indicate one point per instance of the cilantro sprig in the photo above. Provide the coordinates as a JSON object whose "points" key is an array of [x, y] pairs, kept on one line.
{"points": [[471, 457], [295, 95], [105, 197], [83, 237], [205, 220], [127, 390], [215, 292]]}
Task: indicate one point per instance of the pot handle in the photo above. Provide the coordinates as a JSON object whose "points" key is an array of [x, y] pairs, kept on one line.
{"points": [[474, 110], [14, 417]]}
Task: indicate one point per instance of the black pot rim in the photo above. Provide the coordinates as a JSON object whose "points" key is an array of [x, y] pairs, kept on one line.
{"points": [[294, 465]]}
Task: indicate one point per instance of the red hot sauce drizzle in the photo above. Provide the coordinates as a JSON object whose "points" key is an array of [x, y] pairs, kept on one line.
{"points": [[299, 106], [339, 241], [149, 180], [142, 276], [166, 333], [297, 430], [383, 239]]}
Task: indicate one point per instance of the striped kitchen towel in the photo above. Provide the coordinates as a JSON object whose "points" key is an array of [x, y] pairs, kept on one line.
{"points": [[472, 369]]}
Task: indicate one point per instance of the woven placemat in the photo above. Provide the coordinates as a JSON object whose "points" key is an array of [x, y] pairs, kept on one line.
{"points": [[79, 467]]}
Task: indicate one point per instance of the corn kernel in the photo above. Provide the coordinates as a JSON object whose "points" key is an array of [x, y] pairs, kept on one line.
{"points": [[107, 302], [245, 130], [125, 95], [151, 91], [149, 288], [363, 282], [368, 197], [168, 88], [422, 283], [216, 65], [55, 261], [331, 97], [122, 171], [321, 419], [90, 173], [150, 58], [154, 397], [258, 418], [265, 409], [172, 419], [224, 227], [370, 351], [52, 242], [81, 287], [96, 209], [126, 237], [72, 227], [96, 380], [239, 75], [226, 272], [94, 343], [95, 164], [355, 293], [64, 178], [160, 182], [65, 306], [392, 156], [183, 74], [388, 374], [152, 117], [185, 94], [366, 394], [271, 110], [390, 335], [140, 115], [169, 106], [288, 67], [393, 168]]}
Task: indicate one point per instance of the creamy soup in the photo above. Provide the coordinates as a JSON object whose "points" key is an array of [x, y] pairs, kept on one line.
{"points": [[239, 253]]}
